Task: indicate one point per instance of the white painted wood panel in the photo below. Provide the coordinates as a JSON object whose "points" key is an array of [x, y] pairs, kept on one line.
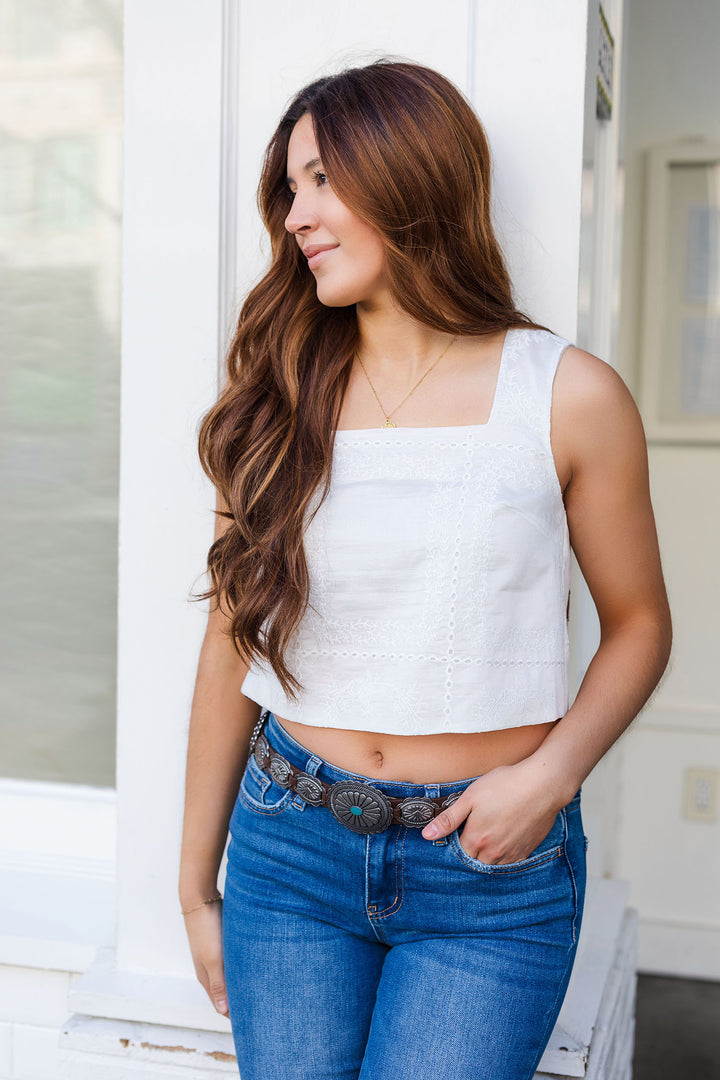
{"points": [[172, 156]]}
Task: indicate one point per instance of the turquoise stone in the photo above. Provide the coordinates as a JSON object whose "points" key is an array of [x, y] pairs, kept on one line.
{"points": [[356, 810]]}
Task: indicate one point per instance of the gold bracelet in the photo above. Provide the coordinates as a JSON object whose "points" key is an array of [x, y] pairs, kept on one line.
{"points": [[210, 901]]}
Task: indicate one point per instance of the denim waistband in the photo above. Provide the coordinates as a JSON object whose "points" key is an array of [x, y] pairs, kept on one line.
{"points": [[313, 763]]}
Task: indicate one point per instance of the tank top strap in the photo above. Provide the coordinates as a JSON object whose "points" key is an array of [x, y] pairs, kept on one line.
{"points": [[525, 380]]}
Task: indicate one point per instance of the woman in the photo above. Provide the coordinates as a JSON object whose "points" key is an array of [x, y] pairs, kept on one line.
{"points": [[381, 710]]}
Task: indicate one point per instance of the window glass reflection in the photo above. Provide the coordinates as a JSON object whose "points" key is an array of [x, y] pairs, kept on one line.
{"points": [[60, 219]]}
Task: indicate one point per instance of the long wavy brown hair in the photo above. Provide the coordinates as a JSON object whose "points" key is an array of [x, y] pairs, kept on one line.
{"points": [[405, 151]]}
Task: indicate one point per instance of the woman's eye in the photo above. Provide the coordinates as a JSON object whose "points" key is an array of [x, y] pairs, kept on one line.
{"points": [[316, 176]]}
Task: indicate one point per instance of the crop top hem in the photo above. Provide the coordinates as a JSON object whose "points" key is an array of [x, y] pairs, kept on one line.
{"points": [[533, 713]]}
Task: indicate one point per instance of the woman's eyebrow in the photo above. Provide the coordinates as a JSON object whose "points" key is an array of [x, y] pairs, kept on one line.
{"points": [[306, 168]]}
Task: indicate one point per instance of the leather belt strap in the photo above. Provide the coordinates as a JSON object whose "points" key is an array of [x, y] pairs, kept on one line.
{"points": [[356, 804]]}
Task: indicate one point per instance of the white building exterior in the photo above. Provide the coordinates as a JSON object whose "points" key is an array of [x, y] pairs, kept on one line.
{"points": [[96, 978]]}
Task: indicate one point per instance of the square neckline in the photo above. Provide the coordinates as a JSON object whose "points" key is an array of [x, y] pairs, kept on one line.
{"points": [[450, 427]]}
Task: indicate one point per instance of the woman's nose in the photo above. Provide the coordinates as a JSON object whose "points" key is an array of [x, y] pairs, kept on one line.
{"points": [[300, 216]]}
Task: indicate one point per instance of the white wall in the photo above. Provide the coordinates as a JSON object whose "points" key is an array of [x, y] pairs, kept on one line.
{"points": [[672, 91]]}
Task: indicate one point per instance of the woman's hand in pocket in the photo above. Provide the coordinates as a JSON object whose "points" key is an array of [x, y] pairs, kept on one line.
{"points": [[509, 811], [204, 930]]}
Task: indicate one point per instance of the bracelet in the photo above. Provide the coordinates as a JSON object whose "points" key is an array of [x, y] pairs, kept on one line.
{"points": [[210, 901]]}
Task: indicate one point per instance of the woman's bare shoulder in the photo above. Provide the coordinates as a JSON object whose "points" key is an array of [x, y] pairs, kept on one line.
{"points": [[584, 381], [594, 415], [589, 390]]}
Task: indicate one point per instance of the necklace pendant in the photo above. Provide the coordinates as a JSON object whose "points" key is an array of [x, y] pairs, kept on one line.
{"points": [[389, 423]]}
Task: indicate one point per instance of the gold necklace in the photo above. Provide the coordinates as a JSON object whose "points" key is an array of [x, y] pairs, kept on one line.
{"points": [[388, 422]]}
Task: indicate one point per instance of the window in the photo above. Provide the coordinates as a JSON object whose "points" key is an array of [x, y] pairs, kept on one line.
{"points": [[60, 220]]}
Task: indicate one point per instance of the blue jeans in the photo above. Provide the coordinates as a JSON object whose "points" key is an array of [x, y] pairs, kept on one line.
{"points": [[389, 956]]}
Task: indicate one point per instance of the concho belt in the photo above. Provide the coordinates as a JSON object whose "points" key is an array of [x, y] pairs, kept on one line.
{"points": [[356, 804]]}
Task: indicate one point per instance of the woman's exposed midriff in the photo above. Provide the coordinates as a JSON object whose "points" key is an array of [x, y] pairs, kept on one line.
{"points": [[419, 759]]}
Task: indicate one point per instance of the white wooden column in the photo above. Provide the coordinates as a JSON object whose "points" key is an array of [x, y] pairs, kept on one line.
{"points": [[173, 187], [173, 60]]}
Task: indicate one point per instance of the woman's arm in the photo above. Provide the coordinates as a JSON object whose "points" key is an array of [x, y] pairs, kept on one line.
{"points": [[612, 531], [599, 447], [221, 722]]}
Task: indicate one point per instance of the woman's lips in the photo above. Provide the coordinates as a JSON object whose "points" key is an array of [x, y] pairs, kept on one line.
{"points": [[315, 260]]}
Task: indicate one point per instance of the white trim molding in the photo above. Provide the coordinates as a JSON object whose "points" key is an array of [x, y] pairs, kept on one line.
{"points": [[57, 873], [681, 716], [679, 948]]}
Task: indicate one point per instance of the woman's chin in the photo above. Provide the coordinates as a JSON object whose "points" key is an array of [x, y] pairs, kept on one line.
{"points": [[336, 297]]}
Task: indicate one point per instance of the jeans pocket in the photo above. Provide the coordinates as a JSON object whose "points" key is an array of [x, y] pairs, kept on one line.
{"points": [[260, 792], [550, 847]]}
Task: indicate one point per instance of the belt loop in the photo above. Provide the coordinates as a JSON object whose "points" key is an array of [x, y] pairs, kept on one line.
{"points": [[311, 766], [432, 791]]}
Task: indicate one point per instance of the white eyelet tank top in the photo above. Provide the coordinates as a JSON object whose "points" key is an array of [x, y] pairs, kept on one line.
{"points": [[439, 572]]}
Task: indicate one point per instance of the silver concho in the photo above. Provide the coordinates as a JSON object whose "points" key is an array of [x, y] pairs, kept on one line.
{"points": [[360, 807], [260, 750], [416, 812], [310, 788], [451, 799], [281, 770]]}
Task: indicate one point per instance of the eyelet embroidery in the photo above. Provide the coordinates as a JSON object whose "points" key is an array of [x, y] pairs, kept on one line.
{"points": [[440, 658]]}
